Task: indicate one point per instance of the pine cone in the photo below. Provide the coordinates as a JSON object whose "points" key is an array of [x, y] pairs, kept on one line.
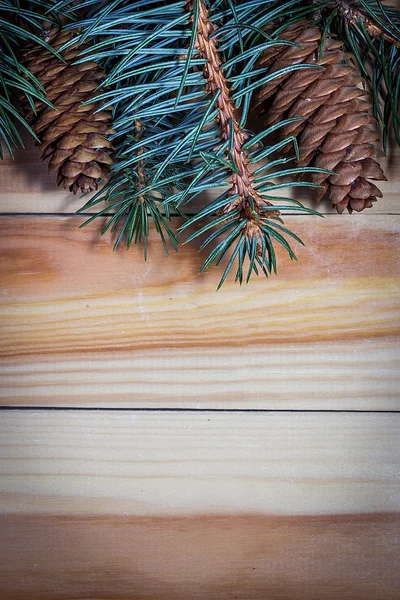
{"points": [[74, 136], [337, 130]]}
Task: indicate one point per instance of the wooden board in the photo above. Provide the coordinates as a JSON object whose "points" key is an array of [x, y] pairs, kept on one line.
{"points": [[200, 558], [84, 326], [220, 504], [199, 506], [26, 187]]}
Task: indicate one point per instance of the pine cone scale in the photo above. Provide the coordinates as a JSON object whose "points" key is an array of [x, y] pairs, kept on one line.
{"points": [[358, 153], [327, 161], [337, 141], [82, 154], [346, 173]]}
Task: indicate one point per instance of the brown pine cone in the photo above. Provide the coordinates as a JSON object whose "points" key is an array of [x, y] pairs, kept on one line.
{"points": [[337, 130], [74, 136]]}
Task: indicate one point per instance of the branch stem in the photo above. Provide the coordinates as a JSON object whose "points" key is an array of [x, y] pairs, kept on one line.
{"points": [[242, 181], [349, 10], [140, 170]]}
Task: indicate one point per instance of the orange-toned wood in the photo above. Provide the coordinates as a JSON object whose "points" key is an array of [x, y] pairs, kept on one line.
{"points": [[82, 325]]}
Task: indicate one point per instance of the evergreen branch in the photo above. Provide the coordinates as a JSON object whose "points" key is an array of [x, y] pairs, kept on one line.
{"points": [[135, 202], [180, 79], [244, 214]]}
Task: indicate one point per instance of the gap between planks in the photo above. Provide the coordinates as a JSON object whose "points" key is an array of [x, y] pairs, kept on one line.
{"points": [[27, 187], [192, 410]]}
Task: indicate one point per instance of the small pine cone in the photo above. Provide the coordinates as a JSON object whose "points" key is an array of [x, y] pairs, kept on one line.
{"points": [[337, 131], [74, 136]]}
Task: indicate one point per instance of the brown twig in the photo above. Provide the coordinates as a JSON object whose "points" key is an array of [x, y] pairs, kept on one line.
{"points": [[140, 171], [243, 181], [349, 11]]}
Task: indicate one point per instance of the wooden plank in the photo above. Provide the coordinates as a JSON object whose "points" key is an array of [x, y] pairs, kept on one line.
{"points": [[174, 463], [81, 325], [26, 187], [193, 506], [359, 374], [200, 558], [63, 317]]}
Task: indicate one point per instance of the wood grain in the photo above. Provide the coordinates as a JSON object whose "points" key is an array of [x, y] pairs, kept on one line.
{"points": [[202, 505], [152, 463], [26, 187], [81, 325], [181, 506], [200, 558]]}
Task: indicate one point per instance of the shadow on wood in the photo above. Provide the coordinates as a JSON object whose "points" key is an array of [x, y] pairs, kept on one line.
{"points": [[235, 557]]}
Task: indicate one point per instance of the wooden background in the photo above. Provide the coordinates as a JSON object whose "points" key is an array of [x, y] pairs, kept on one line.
{"points": [[161, 441]]}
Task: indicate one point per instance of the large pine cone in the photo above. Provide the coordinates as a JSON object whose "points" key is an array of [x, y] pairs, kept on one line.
{"points": [[337, 130], [74, 136]]}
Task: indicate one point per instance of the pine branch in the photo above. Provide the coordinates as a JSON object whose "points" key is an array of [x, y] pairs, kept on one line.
{"points": [[244, 214], [181, 77], [192, 138]]}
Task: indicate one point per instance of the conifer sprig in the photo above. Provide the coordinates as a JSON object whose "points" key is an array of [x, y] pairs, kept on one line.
{"points": [[246, 218], [192, 100]]}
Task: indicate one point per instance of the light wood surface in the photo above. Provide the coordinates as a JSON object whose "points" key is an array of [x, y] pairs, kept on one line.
{"points": [[181, 506], [160, 504], [84, 326], [151, 463]]}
